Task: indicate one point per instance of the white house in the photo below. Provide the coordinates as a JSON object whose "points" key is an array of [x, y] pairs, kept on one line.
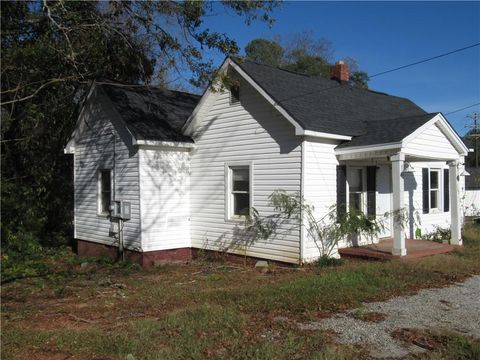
{"points": [[191, 166]]}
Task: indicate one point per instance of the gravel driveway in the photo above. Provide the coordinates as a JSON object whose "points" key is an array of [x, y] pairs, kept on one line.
{"points": [[454, 308]]}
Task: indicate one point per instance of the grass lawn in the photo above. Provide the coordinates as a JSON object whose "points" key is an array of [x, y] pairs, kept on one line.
{"points": [[212, 310]]}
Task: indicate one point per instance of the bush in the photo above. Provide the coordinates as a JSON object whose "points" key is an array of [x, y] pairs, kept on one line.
{"points": [[438, 235], [326, 261]]}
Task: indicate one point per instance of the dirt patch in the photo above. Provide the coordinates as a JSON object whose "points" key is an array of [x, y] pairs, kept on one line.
{"points": [[416, 337], [51, 355], [371, 316]]}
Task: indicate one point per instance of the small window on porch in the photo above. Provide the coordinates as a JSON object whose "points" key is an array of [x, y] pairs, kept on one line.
{"points": [[434, 189]]}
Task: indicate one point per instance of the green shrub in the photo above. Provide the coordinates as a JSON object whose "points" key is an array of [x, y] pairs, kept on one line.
{"points": [[438, 235], [326, 261]]}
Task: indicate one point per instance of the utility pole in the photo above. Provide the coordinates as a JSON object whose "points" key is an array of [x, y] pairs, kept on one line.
{"points": [[475, 133]]}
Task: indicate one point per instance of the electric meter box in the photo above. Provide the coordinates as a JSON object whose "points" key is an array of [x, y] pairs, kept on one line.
{"points": [[121, 210]]}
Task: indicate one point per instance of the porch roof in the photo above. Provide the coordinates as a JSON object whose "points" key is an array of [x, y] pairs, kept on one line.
{"points": [[427, 136], [384, 132]]}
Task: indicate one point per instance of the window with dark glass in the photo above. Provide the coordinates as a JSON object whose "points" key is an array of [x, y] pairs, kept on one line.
{"points": [[434, 189], [234, 95], [105, 194], [355, 192], [240, 191]]}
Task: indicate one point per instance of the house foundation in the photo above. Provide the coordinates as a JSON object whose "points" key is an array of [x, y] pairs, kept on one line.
{"points": [[145, 259]]}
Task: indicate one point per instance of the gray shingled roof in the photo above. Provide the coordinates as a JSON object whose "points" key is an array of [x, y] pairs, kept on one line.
{"points": [[329, 106], [384, 132], [152, 113]]}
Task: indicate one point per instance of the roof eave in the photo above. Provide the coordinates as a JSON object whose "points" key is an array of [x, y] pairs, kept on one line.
{"points": [[164, 144]]}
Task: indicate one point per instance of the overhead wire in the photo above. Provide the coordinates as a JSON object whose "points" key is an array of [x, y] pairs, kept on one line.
{"points": [[392, 70], [464, 108], [425, 60]]}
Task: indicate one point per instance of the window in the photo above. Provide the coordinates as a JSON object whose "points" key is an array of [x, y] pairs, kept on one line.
{"points": [[434, 189], [234, 94], [104, 191], [239, 191], [355, 188]]}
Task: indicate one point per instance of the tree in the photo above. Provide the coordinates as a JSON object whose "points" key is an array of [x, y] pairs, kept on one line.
{"points": [[306, 55], [309, 65], [264, 51], [303, 54], [359, 79], [51, 52]]}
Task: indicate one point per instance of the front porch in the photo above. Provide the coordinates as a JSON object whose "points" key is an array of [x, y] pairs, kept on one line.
{"points": [[413, 173], [383, 250]]}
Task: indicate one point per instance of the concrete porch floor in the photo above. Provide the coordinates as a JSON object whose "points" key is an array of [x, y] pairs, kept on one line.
{"points": [[383, 250]]}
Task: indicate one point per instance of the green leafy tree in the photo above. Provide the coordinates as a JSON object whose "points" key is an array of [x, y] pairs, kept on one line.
{"points": [[359, 79], [264, 51], [303, 54], [51, 52], [309, 65]]}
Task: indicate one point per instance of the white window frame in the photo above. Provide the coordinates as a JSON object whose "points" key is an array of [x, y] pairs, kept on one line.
{"points": [[363, 192], [439, 190], [99, 191], [229, 167]]}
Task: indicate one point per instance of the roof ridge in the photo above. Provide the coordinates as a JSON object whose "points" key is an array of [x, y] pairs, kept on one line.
{"points": [[315, 77], [127, 86], [272, 67]]}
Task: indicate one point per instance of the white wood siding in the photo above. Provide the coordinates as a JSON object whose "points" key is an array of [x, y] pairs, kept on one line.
{"points": [[165, 201], [431, 143], [94, 151], [251, 131], [320, 185], [413, 201]]}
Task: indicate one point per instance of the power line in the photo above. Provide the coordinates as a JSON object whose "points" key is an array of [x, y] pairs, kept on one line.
{"points": [[425, 60], [391, 70], [464, 108]]}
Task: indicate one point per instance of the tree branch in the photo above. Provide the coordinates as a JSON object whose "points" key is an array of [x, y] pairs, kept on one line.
{"points": [[50, 82]]}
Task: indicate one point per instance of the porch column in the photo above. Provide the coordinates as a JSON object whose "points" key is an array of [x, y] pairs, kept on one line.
{"points": [[455, 225], [399, 248]]}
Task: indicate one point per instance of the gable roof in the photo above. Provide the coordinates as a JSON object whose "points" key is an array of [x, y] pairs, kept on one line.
{"points": [[328, 106], [152, 113], [384, 131]]}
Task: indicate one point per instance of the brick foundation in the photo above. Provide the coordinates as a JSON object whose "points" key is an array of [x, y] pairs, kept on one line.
{"points": [[146, 259], [213, 255]]}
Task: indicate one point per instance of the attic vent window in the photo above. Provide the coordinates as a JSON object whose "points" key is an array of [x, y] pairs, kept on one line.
{"points": [[234, 95]]}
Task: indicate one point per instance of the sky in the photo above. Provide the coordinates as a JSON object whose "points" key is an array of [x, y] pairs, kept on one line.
{"points": [[385, 35]]}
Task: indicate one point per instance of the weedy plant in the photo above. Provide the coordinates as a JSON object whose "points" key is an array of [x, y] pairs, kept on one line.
{"points": [[439, 235], [332, 227], [293, 211]]}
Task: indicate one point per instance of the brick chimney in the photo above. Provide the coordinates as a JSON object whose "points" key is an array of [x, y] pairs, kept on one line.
{"points": [[339, 72]]}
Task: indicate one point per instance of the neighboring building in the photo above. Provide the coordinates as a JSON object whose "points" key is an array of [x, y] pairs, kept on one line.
{"points": [[471, 202], [191, 167]]}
